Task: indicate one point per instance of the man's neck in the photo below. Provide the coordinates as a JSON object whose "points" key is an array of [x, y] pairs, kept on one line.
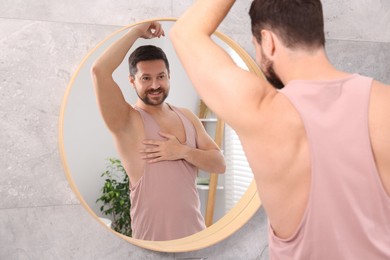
{"points": [[152, 109], [303, 65]]}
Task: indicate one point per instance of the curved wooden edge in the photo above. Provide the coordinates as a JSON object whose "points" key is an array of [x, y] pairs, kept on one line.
{"points": [[219, 131], [226, 226]]}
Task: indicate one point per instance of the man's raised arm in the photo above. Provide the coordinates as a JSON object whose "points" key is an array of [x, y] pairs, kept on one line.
{"points": [[220, 82]]}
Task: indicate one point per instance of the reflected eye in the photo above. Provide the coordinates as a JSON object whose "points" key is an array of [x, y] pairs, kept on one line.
{"points": [[146, 78], [163, 76]]}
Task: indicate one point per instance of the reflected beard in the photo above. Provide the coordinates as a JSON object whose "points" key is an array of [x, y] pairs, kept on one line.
{"points": [[153, 101], [270, 73]]}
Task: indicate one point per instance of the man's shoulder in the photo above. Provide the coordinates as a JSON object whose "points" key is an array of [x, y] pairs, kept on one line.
{"points": [[185, 111]]}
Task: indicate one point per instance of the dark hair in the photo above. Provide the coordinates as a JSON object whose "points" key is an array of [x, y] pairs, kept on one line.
{"points": [[146, 53], [298, 23]]}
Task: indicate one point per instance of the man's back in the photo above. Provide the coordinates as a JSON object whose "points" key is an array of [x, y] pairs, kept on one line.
{"points": [[289, 41], [285, 166]]}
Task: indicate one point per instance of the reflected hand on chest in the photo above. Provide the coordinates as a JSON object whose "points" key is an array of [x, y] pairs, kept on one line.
{"points": [[172, 124]]}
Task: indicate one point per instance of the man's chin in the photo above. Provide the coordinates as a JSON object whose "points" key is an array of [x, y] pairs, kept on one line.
{"points": [[153, 102]]}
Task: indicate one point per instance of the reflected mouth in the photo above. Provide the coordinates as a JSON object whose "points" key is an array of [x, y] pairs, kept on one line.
{"points": [[155, 92], [154, 96]]}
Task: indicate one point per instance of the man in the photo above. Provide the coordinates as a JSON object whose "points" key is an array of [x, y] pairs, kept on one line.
{"points": [[319, 148], [160, 146]]}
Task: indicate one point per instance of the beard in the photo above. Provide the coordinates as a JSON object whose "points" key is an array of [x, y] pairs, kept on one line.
{"points": [[153, 101], [268, 70]]}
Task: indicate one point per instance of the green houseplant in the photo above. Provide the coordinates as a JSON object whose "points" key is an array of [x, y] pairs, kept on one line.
{"points": [[116, 197]]}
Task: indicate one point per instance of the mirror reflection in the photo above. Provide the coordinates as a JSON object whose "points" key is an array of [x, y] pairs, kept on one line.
{"points": [[139, 130], [161, 146]]}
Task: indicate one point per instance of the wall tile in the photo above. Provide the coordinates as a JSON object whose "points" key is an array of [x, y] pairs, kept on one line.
{"points": [[37, 61], [363, 20], [62, 232], [180, 6], [367, 58], [236, 22], [106, 12]]}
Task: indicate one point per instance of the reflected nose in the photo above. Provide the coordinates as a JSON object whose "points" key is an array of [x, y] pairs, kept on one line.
{"points": [[155, 84]]}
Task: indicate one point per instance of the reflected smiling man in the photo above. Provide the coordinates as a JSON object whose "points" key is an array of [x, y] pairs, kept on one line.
{"points": [[161, 146], [316, 138]]}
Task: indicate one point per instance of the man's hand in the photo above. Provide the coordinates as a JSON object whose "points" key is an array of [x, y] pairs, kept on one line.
{"points": [[150, 30], [167, 150]]}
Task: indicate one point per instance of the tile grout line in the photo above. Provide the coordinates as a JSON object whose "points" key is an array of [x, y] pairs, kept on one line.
{"points": [[62, 22], [41, 206]]}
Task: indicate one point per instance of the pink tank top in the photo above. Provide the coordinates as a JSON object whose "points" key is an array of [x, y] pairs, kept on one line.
{"points": [[165, 202], [348, 211]]}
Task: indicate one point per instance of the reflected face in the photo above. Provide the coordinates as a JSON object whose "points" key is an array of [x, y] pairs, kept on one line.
{"points": [[151, 82]]}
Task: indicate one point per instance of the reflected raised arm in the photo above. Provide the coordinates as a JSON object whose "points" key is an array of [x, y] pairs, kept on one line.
{"points": [[115, 110]]}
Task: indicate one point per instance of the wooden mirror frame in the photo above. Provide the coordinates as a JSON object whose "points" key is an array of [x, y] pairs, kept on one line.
{"points": [[226, 226]]}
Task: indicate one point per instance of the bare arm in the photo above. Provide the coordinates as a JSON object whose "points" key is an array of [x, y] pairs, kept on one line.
{"points": [[223, 86], [113, 107], [207, 156]]}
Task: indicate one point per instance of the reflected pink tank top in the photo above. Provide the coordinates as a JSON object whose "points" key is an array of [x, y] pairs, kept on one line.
{"points": [[165, 202], [348, 211]]}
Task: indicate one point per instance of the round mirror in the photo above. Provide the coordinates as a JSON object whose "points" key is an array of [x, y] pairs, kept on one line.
{"points": [[87, 148]]}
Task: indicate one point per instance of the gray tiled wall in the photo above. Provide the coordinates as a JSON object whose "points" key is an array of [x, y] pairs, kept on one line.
{"points": [[41, 44]]}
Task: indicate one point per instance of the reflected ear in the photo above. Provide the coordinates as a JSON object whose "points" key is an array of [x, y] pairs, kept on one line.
{"points": [[132, 79]]}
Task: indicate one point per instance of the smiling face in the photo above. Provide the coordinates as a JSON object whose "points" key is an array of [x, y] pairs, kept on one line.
{"points": [[151, 82]]}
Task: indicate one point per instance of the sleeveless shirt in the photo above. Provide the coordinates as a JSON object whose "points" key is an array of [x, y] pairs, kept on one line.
{"points": [[165, 202], [347, 216]]}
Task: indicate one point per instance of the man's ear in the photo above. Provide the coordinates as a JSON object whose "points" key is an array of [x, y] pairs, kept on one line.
{"points": [[132, 79], [268, 42]]}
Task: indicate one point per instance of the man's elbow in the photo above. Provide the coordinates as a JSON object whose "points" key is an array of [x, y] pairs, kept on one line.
{"points": [[220, 167], [99, 72], [178, 35], [95, 70]]}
